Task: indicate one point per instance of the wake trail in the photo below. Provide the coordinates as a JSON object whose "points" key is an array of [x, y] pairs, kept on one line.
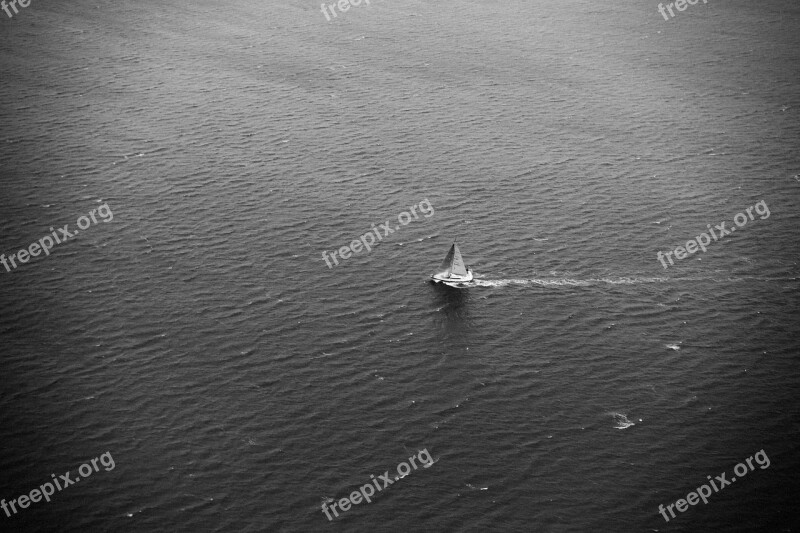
{"points": [[570, 282]]}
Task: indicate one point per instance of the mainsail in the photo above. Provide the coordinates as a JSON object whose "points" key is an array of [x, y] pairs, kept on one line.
{"points": [[453, 263]]}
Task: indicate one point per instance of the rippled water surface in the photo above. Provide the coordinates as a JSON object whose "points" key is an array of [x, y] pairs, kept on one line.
{"points": [[239, 383]]}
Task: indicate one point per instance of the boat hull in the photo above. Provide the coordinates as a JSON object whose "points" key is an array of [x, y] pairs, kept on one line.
{"points": [[452, 279]]}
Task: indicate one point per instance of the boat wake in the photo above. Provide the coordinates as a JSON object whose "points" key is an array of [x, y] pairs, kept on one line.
{"points": [[570, 282], [555, 282]]}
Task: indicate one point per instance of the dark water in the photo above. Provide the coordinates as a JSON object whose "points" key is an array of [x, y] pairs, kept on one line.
{"points": [[239, 383]]}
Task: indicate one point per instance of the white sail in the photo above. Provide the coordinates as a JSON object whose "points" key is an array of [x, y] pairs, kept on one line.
{"points": [[458, 267], [453, 263]]}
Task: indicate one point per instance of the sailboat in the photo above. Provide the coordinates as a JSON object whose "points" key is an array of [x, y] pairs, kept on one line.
{"points": [[452, 271]]}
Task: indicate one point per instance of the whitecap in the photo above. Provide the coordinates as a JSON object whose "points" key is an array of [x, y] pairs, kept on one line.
{"points": [[621, 421]]}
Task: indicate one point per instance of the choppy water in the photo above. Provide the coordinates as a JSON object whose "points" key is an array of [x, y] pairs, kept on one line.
{"points": [[239, 383]]}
